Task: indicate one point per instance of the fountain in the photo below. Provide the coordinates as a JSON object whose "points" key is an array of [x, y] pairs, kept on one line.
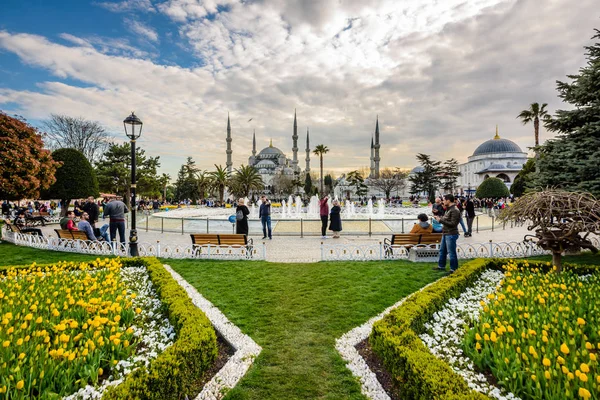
{"points": [[283, 209], [381, 208], [370, 208]]}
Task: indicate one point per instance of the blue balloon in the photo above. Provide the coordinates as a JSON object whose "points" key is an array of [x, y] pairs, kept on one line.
{"points": [[167, 209], [232, 219]]}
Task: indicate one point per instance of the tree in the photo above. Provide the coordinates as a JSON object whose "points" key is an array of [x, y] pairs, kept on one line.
{"points": [[220, 179], [247, 179], [524, 179], [329, 183], [534, 113], [355, 178], [186, 186], [282, 183], [25, 167], [571, 160], [427, 180], [308, 185], [319, 151], [75, 178], [559, 219], [492, 188], [389, 180], [450, 174], [164, 182], [114, 172], [89, 137], [204, 182]]}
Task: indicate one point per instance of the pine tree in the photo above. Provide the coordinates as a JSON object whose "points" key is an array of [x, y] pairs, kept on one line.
{"points": [[308, 185], [427, 180], [571, 160]]}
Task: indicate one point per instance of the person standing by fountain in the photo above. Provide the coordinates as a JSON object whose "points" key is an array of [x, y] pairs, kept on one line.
{"points": [[264, 213], [241, 218], [336, 219], [324, 213], [449, 234]]}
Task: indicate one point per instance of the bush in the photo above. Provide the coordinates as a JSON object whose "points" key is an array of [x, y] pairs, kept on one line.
{"points": [[178, 371], [416, 371], [492, 187]]}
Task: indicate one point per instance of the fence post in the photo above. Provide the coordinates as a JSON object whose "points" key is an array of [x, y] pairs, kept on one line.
{"points": [[147, 218], [491, 248], [162, 225], [207, 223], [380, 250], [208, 251], [369, 226], [301, 228], [114, 246], [477, 221], [182, 226], [158, 248], [264, 251], [322, 252], [492, 223], [402, 224]]}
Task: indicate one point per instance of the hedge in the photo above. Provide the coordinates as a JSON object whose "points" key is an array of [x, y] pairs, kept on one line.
{"points": [[395, 339], [179, 370]]}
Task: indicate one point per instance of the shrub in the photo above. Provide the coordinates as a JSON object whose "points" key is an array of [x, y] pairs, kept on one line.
{"points": [[492, 187]]}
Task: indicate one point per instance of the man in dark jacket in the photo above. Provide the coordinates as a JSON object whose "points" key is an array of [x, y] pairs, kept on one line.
{"points": [[470, 211], [438, 208], [91, 208], [116, 210], [449, 222], [264, 213]]}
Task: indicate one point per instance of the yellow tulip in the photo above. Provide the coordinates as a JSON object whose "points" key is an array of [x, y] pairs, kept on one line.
{"points": [[564, 348], [6, 343], [546, 362], [584, 368], [547, 375], [583, 377], [20, 384], [584, 393]]}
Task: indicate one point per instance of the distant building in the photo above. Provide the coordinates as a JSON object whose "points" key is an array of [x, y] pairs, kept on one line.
{"points": [[497, 157]]}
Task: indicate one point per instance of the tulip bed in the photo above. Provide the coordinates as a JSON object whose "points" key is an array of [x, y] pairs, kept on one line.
{"points": [[74, 330], [539, 334]]}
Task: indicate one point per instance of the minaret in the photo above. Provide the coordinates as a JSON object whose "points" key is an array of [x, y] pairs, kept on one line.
{"points": [[295, 145], [372, 174], [376, 159], [307, 153], [229, 151], [254, 143]]}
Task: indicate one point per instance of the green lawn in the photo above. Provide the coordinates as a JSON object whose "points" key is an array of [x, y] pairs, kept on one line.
{"points": [[294, 311]]}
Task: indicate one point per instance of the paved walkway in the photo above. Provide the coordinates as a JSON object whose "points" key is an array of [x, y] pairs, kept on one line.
{"points": [[308, 249]]}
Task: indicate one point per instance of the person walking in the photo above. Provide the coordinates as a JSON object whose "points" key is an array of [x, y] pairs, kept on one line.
{"points": [[324, 213], [91, 208], [335, 223], [470, 214], [241, 218], [115, 210], [460, 208], [264, 213], [449, 222]]}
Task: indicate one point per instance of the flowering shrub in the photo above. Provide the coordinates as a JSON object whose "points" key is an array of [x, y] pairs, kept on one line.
{"points": [[63, 326], [539, 334]]}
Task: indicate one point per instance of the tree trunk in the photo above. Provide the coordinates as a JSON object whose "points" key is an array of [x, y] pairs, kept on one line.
{"points": [[557, 261], [65, 203], [536, 127], [321, 162]]}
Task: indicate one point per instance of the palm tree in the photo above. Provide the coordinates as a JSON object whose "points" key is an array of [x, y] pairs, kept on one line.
{"points": [[164, 181], [247, 179], [204, 181], [220, 179], [319, 151], [535, 113]]}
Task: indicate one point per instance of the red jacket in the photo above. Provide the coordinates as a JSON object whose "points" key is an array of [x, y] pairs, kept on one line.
{"points": [[71, 226], [323, 207]]}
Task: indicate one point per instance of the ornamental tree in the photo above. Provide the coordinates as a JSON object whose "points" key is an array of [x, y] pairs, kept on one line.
{"points": [[75, 178], [25, 167], [492, 188], [561, 220]]}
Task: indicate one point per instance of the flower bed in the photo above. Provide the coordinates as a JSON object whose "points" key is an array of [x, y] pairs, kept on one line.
{"points": [[540, 334], [77, 329], [417, 372]]}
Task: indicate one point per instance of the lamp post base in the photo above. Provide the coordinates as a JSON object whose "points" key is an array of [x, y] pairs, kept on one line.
{"points": [[133, 243]]}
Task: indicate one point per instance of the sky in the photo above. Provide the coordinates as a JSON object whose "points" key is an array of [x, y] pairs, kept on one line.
{"points": [[439, 74]]}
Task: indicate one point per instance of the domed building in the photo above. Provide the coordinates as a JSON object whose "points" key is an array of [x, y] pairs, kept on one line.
{"points": [[497, 157], [269, 162]]}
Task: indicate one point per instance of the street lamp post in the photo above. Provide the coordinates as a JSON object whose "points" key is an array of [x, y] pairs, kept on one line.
{"points": [[469, 189], [133, 133]]}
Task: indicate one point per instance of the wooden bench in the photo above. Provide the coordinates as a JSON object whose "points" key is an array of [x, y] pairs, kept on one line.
{"points": [[71, 235], [231, 240], [409, 240], [16, 229]]}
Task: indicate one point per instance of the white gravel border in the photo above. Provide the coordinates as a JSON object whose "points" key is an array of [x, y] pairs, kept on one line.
{"points": [[346, 346], [246, 349]]}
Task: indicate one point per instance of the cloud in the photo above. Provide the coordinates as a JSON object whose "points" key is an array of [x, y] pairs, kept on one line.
{"points": [[111, 46], [139, 28], [128, 6], [440, 75]]}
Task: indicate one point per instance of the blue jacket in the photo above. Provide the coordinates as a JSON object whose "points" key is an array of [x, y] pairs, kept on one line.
{"points": [[264, 210]]}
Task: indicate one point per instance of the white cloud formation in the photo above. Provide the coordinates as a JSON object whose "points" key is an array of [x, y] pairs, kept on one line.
{"points": [[139, 28], [128, 6], [440, 75], [112, 46]]}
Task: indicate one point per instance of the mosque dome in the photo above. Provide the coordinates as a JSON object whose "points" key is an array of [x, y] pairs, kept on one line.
{"points": [[497, 145], [270, 151], [417, 170]]}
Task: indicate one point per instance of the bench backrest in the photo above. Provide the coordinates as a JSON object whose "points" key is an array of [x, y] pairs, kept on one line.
{"points": [[67, 234], [79, 235], [204, 238], [431, 238], [405, 239], [233, 240]]}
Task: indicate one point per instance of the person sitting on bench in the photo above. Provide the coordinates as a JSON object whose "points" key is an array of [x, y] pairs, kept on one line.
{"points": [[85, 226], [66, 223], [422, 226], [20, 222]]}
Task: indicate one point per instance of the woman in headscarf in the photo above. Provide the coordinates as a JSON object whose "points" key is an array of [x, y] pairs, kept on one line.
{"points": [[335, 219], [241, 218]]}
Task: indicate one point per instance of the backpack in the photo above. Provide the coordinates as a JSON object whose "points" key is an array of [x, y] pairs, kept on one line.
{"points": [[239, 215]]}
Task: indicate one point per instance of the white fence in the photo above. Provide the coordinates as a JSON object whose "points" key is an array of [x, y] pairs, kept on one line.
{"points": [[255, 252]]}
